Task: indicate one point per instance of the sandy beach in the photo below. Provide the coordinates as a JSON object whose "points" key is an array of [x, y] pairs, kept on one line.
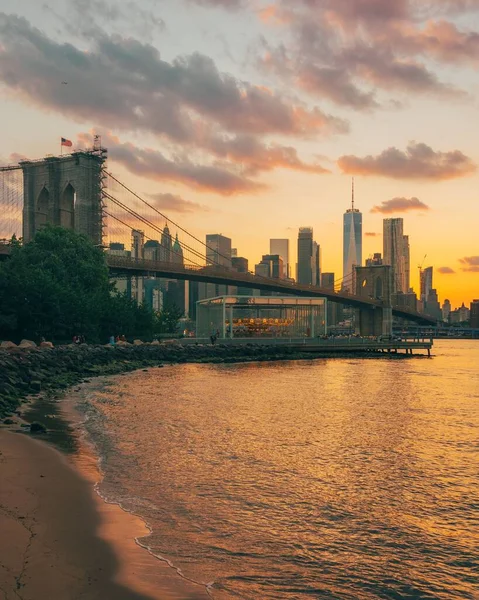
{"points": [[60, 540]]}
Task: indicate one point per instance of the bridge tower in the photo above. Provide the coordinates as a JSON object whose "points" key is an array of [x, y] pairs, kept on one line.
{"points": [[374, 283], [66, 191]]}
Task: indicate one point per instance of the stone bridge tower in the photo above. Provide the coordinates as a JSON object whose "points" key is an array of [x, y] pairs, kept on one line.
{"points": [[374, 283], [65, 191]]}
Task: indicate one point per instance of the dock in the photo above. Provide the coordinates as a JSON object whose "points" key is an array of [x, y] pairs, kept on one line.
{"points": [[336, 345]]}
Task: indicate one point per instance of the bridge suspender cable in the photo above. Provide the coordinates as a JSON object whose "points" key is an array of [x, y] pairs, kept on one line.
{"points": [[168, 219]]}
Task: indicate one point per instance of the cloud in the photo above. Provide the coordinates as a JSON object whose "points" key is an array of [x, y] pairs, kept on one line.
{"points": [[125, 84], [446, 271], [228, 4], [419, 161], [471, 264], [396, 205], [175, 203], [355, 52], [155, 165], [256, 156], [372, 234]]}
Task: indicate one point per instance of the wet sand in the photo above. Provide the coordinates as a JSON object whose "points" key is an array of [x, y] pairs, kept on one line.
{"points": [[60, 540]]}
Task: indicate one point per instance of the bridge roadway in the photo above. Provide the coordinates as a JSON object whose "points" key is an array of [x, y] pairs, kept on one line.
{"points": [[121, 266]]}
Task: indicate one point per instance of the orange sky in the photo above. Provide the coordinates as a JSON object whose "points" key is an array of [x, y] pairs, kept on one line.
{"points": [[255, 115]]}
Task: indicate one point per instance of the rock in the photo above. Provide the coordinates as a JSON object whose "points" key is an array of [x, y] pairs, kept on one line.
{"points": [[155, 343], [7, 345], [37, 427], [46, 345], [137, 343], [27, 344]]}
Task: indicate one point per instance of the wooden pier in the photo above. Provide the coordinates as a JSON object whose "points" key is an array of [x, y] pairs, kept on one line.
{"points": [[336, 345]]}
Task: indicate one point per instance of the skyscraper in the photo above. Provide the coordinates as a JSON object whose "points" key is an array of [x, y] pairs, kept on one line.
{"points": [[396, 254], [474, 314], [426, 283], [352, 243], [281, 247], [218, 250], [316, 264], [166, 243], [305, 256]]}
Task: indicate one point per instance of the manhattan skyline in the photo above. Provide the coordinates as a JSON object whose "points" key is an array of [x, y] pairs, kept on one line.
{"points": [[220, 137]]}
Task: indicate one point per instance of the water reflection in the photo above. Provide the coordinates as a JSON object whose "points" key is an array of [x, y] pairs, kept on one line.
{"points": [[325, 479]]}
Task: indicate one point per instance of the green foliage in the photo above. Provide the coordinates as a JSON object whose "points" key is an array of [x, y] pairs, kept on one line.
{"points": [[57, 286], [166, 321]]}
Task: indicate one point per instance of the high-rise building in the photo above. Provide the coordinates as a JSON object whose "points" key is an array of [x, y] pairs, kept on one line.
{"points": [[275, 265], [432, 306], [327, 281], [316, 264], [460, 315], [334, 310], [177, 252], [352, 243], [137, 251], [396, 254], [474, 314], [305, 256], [281, 247], [446, 310], [151, 250], [426, 283], [218, 250], [166, 244], [375, 261], [240, 264]]}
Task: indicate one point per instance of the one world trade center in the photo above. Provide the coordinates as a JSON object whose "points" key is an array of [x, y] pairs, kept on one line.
{"points": [[352, 244]]}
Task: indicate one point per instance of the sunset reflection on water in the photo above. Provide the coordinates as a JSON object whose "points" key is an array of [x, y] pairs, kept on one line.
{"points": [[328, 479]]}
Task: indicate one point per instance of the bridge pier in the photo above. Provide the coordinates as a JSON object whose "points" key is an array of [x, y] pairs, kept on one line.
{"points": [[374, 283]]}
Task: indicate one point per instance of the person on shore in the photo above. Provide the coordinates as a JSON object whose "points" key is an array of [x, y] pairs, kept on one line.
{"points": [[112, 340]]}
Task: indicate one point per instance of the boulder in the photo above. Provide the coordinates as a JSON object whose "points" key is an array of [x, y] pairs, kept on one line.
{"points": [[46, 345], [155, 343], [7, 345], [27, 344], [137, 343], [37, 427]]}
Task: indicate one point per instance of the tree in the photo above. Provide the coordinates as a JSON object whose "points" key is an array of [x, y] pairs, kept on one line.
{"points": [[57, 286], [167, 319]]}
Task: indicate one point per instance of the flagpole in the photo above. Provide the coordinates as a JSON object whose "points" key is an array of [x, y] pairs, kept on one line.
{"points": [[61, 147]]}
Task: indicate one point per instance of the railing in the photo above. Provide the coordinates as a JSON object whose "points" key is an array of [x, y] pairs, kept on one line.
{"points": [[233, 277]]}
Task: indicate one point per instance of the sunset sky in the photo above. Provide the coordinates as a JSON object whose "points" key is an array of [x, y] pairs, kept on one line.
{"points": [[249, 117]]}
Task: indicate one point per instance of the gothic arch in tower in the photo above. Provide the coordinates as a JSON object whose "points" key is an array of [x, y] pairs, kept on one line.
{"points": [[67, 207], [42, 208]]}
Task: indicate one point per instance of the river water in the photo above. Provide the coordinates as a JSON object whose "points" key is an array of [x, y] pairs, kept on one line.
{"points": [[335, 478]]}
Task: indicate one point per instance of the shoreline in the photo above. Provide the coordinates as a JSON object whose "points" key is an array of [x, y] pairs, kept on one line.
{"points": [[63, 538], [29, 371], [110, 534]]}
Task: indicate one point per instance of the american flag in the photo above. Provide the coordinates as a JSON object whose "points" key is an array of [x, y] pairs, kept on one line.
{"points": [[66, 142]]}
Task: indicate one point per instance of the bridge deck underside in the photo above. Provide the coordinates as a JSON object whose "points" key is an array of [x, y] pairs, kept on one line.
{"points": [[121, 267]]}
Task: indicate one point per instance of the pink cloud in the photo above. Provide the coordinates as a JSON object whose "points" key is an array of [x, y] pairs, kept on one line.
{"points": [[418, 161]]}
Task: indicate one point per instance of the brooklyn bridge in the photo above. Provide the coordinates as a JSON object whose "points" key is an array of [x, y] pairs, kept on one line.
{"points": [[77, 191]]}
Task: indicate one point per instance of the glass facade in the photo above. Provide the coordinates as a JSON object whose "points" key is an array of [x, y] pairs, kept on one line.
{"points": [[352, 244], [261, 317]]}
